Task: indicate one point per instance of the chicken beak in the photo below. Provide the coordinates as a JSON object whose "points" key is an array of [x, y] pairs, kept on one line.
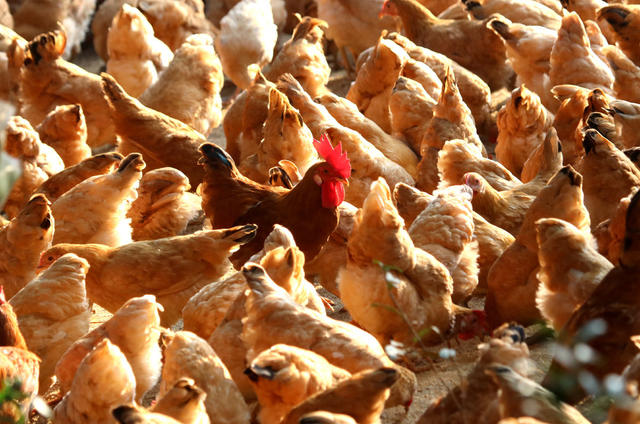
{"points": [[344, 181]]}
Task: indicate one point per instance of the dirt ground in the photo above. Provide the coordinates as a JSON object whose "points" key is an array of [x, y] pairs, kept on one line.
{"points": [[431, 383]]}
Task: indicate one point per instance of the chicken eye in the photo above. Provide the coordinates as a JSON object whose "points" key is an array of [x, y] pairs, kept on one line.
{"points": [[50, 258]]}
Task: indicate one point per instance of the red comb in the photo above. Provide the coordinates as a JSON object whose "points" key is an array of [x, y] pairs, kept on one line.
{"points": [[334, 157]]}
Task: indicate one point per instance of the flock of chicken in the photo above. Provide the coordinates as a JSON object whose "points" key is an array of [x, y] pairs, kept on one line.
{"points": [[395, 198]]}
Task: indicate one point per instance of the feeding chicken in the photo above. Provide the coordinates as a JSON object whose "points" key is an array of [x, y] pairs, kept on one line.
{"points": [[189, 88], [53, 312], [136, 56], [184, 402], [152, 267]]}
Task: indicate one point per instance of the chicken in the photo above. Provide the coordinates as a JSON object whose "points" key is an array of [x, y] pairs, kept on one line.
{"points": [[39, 162], [566, 284], [458, 157], [286, 137], [247, 36], [625, 115], [476, 394], [451, 119], [245, 118], [222, 322], [361, 397], [173, 268], [63, 181], [411, 110], [608, 176], [65, 129], [187, 355], [367, 162], [189, 88], [424, 287], [613, 309], [609, 234], [445, 229], [574, 101], [468, 42], [134, 330], [48, 81], [270, 310], [22, 241], [627, 74], [529, 50], [17, 364], [492, 240], [474, 91], [184, 402], [207, 308], [377, 74], [284, 376], [94, 211], [136, 56], [127, 414], [512, 281], [353, 25], [347, 114], [531, 13], [574, 62], [507, 208], [172, 21], [523, 124], [104, 380], [53, 312], [35, 17], [164, 206], [303, 57], [164, 141], [545, 160], [308, 210], [520, 396], [623, 19]]}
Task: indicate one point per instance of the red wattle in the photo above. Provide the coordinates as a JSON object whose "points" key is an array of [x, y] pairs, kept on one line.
{"points": [[332, 194]]}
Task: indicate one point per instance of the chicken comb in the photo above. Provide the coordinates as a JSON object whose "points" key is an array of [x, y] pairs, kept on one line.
{"points": [[334, 157]]}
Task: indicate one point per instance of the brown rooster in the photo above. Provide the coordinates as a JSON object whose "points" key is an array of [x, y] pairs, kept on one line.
{"points": [[308, 210]]}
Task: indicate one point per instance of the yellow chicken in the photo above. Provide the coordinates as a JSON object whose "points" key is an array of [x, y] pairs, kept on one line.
{"points": [[570, 269], [172, 268], [95, 210], [187, 355], [22, 241], [184, 402], [103, 380], [134, 329], [189, 88], [53, 312], [65, 129], [284, 376]]}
